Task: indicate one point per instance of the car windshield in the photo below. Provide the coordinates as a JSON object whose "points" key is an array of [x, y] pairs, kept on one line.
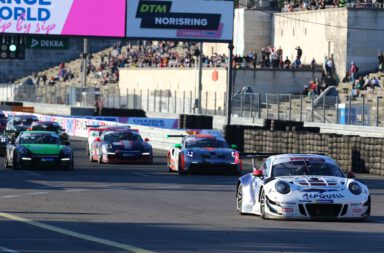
{"points": [[39, 139], [205, 143], [312, 168], [47, 127], [23, 121], [115, 137]]}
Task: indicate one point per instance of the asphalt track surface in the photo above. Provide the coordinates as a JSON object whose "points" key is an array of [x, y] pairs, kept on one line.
{"points": [[133, 208]]}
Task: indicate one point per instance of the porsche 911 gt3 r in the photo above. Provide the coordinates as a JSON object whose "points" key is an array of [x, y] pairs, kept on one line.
{"points": [[38, 149], [203, 152], [121, 146], [302, 186]]}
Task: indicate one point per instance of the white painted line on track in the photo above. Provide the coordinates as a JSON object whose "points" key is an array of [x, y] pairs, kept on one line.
{"points": [[9, 196], [36, 193], [4, 249], [75, 190], [75, 234]]}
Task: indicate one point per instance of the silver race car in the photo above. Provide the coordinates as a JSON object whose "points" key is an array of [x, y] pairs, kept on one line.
{"points": [[302, 186], [203, 152]]}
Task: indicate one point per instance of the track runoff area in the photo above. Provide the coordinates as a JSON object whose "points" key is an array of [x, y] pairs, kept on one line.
{"points": [[144, 208]]}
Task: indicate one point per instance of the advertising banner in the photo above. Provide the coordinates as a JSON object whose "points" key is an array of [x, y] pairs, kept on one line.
{"points": [[69, 17], [202, 20]]}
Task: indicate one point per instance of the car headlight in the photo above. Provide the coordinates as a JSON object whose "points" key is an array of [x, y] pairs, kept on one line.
{"points": [[282, 187], [355, 188], [190, 153], [23, 150], [66, 151]]}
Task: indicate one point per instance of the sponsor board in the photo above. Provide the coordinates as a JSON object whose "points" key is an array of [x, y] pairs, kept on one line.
{"points": [[58, 17], [180, 19]]}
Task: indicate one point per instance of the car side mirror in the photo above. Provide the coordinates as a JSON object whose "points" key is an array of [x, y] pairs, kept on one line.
{"points": [[234, 146], [146, 139], [350, 174], [257, 173], [177, 145], [97, 139]]}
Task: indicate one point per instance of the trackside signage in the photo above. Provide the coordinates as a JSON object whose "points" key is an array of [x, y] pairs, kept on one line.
{"points": [[180, 19], [64, 17], [47, 43]]}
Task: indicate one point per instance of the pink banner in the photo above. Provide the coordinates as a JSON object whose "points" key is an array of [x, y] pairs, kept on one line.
{"points": [[69, 17]]}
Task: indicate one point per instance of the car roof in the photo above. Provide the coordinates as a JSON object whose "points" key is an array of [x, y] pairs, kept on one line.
{"points": [[276, 159]]}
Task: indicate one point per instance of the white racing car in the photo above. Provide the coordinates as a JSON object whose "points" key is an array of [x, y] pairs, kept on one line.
{"points": [[302, 186]]}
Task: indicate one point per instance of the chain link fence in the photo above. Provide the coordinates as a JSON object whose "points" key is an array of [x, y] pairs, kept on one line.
{"points": [[345, 110]]}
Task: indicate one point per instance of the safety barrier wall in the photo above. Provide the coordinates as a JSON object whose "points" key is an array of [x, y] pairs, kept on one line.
{"points": [[78, 127]]}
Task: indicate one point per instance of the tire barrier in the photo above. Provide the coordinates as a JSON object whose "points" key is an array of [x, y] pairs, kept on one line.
{"points": [[122, 112], [187, 121]]}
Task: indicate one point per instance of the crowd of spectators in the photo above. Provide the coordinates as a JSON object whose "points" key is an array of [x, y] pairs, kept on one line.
{"points": [[302, 5]]}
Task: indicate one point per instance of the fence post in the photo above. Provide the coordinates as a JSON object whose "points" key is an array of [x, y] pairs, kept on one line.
{"points": [[175, 106], [377, 111], [190, 103], [278, 106], [160, 101], [323, 109], [154, 100], [215, 103], [168, 100], [266, 102], [259, 104], [206, 103], [349, 110], [183, 101], [241, 104], [363, 116], [301, 107], [337, 110]]}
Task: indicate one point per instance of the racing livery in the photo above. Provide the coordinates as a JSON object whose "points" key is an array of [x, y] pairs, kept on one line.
{"points": [[95, 131], [302, 186], [38, 149], [203, 152], [121, 146]]}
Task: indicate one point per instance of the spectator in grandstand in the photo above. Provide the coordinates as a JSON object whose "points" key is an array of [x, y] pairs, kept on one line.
{"points": [[299, 52], [354, 91], [329, 66], [367, 83], [353, 72], [297, 63], [360, 83], [279, 53], [287, 63], [380, 59], [313, 64], [375, 82]]}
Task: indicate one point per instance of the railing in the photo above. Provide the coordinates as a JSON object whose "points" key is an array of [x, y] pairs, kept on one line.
{"points": [[368, 111]]}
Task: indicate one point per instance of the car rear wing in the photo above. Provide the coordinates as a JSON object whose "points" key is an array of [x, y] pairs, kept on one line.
{"points": [[256, 156], [176, 135]]}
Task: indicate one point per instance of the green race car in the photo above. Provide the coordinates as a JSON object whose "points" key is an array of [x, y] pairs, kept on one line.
{"points": [[38, 149]]}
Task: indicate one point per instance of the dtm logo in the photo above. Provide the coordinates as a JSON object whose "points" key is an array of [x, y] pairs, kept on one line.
{"points": [[322, 196]]}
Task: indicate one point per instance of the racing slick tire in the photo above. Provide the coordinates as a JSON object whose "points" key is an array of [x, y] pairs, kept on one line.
{"points": [[100, 159], [72, 166], [15, 166], [262, 204], [239, 199], [180, 170], [169, 163], [90, 157]]}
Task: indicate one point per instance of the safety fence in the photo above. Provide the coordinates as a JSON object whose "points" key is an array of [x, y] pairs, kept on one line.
{"points": [[343, 109]]}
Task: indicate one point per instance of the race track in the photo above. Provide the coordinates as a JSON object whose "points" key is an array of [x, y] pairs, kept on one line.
{"points": [[133, 208]]}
